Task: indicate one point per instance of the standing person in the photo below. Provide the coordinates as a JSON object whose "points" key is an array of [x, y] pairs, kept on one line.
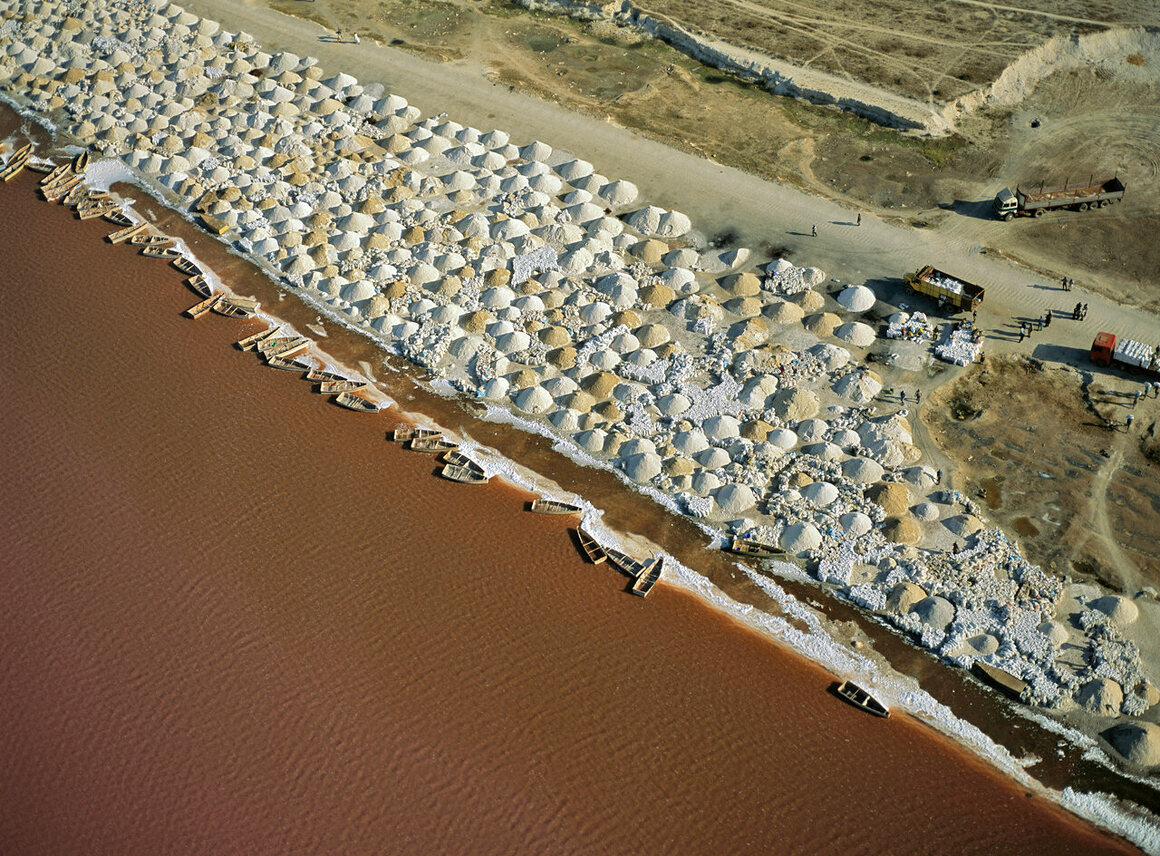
{"points": [[814, 230], [1064, 280], [356, 38], [1083, 312], [902, 395], [859, 223], [918, 396], [1047, 319], [1070, 284], [1075, 312], [1022, 332], [1135, 398], [1128, 424]]}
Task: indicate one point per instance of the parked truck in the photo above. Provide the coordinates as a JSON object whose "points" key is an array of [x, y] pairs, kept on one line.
{"points": [[1037, 201], [1110, 350], [945, 288]]}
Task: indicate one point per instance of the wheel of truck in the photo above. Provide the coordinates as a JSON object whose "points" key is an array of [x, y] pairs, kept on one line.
{"points": [[1008, 217], [1039, 212], [1084, 206], [1104, 203]]}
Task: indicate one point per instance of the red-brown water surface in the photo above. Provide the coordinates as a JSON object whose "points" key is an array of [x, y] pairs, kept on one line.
{"points": [[236, 620]]}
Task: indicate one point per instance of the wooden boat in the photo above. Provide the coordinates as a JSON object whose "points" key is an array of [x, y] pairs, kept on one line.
{"points": [[237, 307], [16, 162], [284, 347], [467, 475], [591, 547], [205, 306], [411, 432], [625, 563], [552, 506], [98, 209], [186, 265], [356, 402], [1000, 679], [40, 166], [333, 387], [56, 175], [75, 195], [59, 191], [117, 216], [322, 374], [81, 162], [199, 284], [750, 547], [434, 443], [248, 343], [150, 239], [161, 252], [126, 233], [648, 576], [855, 695], [288, 365]]}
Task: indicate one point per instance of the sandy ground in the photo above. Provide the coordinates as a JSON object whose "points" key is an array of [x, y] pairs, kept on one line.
{"points": [[726, 201]]}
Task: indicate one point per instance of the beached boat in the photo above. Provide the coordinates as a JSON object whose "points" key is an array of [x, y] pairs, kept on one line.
{"points": [[356, 402], [39, 166], [237, 307], [552, 506], [205, 306], [186, 265], [1000, 679], [98, 209], [150, 239], [855, 695], [403, 433], [321, 375], [287, 365], [117, 217], [161, 252], [248, 343], [750, 547], [76, 194], [467, 475], [434, 443], [333, 387], [16, 162], [625, 563], [199, 284], [284, 347], [56, 175], [58, 191], [126, 233], [81, 162], [592, 548], [648, 576]]}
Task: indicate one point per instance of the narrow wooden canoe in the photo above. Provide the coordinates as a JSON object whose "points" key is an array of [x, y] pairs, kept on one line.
{"points": [[356, 402], [648, 576], [40, 166], [552, 506], [236, 307], [333, 387], [855, 695], [750, 547], [591, 547], [56, 174], [150, 239], [117, 217], [97, 209], [205, 306], [1000, 679], [434, 443], [284, 347], [286, 365], [322, 374], [466, 475], [126, 233], [186, 265], [81, 162], [199, 284], [248, 343], [161, 252], [403, 433]]}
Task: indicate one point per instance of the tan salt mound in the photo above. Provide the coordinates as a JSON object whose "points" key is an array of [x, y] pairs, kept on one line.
{"points": [[1138, 742], [902, 530], [894, 497], [795, 403], [741, 284], [903, 597], [856, 333], [783, 312], [1101, 696], [809, 301], [657, 295], [963, 524], [822, 324], [1118, 608], [650, 251]]}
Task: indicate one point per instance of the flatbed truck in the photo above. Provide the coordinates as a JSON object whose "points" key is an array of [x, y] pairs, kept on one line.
{"points": [[945, 288], [1111, 350], [1037, 201]]}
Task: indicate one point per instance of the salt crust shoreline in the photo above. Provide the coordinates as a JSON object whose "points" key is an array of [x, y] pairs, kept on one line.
{"points": [[338, 309]]}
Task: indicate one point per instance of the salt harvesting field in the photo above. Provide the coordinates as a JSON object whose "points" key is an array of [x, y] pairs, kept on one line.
{"points": [[731, 387]]}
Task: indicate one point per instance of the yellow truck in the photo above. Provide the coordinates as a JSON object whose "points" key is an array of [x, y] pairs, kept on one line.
{"points": [[945, 288]]}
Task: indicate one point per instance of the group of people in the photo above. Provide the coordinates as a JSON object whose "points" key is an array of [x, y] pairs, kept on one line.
{"points": [[1068, 284], [1150, 388], [1080, 312]]}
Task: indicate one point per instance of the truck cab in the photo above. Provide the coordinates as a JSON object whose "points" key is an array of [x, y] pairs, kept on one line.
{"points": [[1103, 347], [1006, 204]]}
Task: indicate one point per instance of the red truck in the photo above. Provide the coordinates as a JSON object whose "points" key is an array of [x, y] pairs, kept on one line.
{"points": [[1108, 350]]}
